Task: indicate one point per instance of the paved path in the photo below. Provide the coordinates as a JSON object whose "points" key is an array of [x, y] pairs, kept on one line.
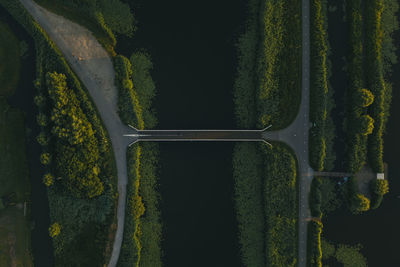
{"points": [[94, 68]]}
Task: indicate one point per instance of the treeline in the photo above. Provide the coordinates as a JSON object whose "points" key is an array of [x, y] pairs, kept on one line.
{"points": [[321, 95], [143, 228], [369, 94], [268, 85], [136, 90], [103, 18], [377, 13], [80, 171]]}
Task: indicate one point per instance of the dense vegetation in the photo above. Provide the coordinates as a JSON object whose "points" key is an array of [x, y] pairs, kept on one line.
{"points": [[369, 93], [15, 243], [321, 94], [81, 199], [345, 255], [266, 204], [102, 17], [142, 233], [268, 85], [136, 90]]}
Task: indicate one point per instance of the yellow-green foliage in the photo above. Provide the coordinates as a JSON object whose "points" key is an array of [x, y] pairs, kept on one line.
{"points": [[54, 229], [321, 133], [78, 152], [278, 75], [48, 179], [280, 205], [142, 232], [314, 257]]}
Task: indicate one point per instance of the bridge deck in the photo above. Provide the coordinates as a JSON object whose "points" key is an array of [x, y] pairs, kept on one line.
{"points": [[200, 135]]}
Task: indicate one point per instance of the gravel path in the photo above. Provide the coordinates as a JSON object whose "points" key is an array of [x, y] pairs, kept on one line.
{"points": [[92, 64]]}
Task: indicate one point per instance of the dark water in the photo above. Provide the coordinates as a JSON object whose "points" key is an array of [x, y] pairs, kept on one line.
{"points": [[377, 230], [42, 249], [337, 36], [192, 47]]}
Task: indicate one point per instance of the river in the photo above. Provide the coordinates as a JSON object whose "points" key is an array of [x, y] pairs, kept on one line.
{"points": [[42, 249], [377, 230], [192, 49]]}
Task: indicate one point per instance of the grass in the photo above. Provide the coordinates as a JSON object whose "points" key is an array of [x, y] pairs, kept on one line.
{"points": [[14, 227], [9, 67]]}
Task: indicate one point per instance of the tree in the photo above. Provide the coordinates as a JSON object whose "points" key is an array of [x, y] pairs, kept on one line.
{"points": [[366, 124], [41, 119], [380, 187], [42, 139], [39, 100], [364, 97], [45, 158], [54, 229], [360, 203], [48, 179]]}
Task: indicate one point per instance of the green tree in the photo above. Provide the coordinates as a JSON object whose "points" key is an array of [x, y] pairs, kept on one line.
{"points": [[42, 139], [48, 179], [41, 119], [350, 256], [364, 97], [39, 100], [54, 229], [45, 158], [366, 124], [381, 187], [360, 203]]}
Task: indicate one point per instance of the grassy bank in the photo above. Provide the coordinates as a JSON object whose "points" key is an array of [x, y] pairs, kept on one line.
{"points": [[321, 93], [268, 85], [81, 199], [15, 228]]}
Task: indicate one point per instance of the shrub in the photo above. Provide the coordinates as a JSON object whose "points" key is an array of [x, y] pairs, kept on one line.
{"points": [[365, 97], [48, 179], [45, 158], [54, 229], [366, 124], [360, 203], [380, 187], [42, 139]]}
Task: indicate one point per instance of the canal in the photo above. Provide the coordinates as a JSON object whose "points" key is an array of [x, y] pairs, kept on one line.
{"points": [[192, 45], [376, 230], [42, 249]]}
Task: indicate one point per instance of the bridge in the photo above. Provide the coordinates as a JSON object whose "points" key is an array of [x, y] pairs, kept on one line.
{"points": [[197, 135]]}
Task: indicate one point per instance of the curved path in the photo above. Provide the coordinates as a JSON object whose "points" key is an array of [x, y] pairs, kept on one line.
{"points": [[92, 64]]}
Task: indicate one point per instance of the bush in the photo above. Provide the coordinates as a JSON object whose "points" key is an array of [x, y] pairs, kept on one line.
{"points": [[365, 97], [360, 203], [366, 124], [48, 179], [54, 230]]}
